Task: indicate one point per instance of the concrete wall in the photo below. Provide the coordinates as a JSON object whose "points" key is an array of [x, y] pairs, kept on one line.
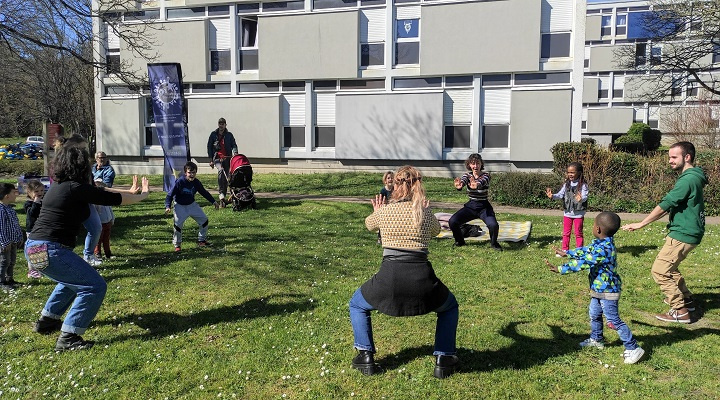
{"points": [[122, 126], [254, 122], [593, 27], [308, 46], [402, 126], [493, 36], [182, 42], [538, 120], [590, 90], [605, 58], [609, 120]]}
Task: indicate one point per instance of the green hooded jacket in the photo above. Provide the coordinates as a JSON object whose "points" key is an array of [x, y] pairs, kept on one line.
{"points": [[686, 207]]}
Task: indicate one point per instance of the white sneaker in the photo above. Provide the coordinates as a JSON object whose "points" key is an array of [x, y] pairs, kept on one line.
{"points": [[633, 356], [222, 197], [590, 342], [93, 261]]}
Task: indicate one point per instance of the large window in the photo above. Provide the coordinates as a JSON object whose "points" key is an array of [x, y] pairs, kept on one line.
{"points": [[219, 38], [407, 35], [606, 25], [372, 37], [248, 42], [621, 25], [555, 45]]}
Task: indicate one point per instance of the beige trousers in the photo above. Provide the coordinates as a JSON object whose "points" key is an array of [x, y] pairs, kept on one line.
{"points": [[666, 274]]}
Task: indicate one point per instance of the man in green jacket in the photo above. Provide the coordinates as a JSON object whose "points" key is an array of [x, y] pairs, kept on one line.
{"points": [[686, 207]]}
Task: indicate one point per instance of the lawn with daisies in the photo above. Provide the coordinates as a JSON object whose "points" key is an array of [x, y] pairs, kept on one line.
{"points": [[263, 314]]}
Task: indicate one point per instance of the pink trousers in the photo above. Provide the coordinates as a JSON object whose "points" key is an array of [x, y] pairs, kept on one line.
{"points": [[572, 224]]}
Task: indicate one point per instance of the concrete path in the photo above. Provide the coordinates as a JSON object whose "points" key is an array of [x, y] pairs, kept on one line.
{"points": [[626, 217]]}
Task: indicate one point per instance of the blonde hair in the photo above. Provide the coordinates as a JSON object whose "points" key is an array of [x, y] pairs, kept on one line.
{"points": [[386, 174], [408, 187]]}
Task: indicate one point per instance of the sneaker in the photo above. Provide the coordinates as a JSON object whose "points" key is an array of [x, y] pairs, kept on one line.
{"points": [[46, 325], [177, 249], [633, 356], [590, 342], [689, 303], [203, 243], [365, 363], [681, 316], [71, 341], [5, 287], [445, 366], [94, 262]]}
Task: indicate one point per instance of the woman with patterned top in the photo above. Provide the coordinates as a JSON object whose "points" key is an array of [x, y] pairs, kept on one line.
{"points": [[406, 284], [477, 182]]}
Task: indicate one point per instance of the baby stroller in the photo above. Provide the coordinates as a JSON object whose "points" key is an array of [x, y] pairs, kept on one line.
{"points": [[241, 193]]}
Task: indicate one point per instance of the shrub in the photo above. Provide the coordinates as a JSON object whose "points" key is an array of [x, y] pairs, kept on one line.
{"points": [[21, 167], [651, 139], [523, 189]]}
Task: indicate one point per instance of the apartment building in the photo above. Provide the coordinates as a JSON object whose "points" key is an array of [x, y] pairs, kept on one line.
{"points": [[614, 96], [337, 85]]}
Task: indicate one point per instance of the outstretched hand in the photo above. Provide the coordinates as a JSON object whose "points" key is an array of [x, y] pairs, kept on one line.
{"points": [[631, 227], [548, 192], [458, 183], [378, 202], [473, 184], [552, 268]]}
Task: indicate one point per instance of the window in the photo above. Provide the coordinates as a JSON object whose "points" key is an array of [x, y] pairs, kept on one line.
{"points": [[245, 8], [293, 86], [193, 12], [496, 136], [656, 54], [255, 87], [618, 86], [457, 137], [112, 50], [324, 136], [293, 136], [112, 63], [151, 138], [218, 10], [284, 6], [407, 35], [372, 37], [542, 78], [496, 80], [555, 45], [325, 85], [362, 84], [606, 25], [693, 89], [583, 125], [248, 40], [219, 43], [716, 54], [324, 103], [621, 25], [320, 4], [211, 88], [653, 123], [604, 87], [452, 81], [141, 15], [408, 83], [640, 54]]}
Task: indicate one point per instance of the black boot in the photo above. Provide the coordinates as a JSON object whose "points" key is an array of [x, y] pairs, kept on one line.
{"points": [[72, 341], [365, 363], [46, 325], [445, 366]]}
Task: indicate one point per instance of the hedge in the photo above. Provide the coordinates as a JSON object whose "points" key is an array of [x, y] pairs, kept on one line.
{"points": [[21, 167]]}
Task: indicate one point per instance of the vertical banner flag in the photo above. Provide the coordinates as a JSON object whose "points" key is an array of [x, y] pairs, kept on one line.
{"points": [[170, 118]]}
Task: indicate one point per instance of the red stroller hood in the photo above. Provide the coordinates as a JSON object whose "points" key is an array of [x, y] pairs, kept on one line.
{"points": [[238, 160]]}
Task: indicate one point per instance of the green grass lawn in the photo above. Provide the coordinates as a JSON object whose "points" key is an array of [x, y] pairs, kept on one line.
{"points": [[263, 315]]}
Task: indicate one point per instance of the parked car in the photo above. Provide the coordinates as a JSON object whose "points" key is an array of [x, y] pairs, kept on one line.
{"points": [[35, 140]]}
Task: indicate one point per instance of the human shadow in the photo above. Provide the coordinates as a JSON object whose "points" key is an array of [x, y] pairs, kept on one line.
{"points": [[525, 352], [635, 251], [543, 241], [160, 324], [672, 334]]}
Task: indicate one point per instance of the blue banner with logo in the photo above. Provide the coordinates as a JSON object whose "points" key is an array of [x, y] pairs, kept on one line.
{"points": [[170, 118]]}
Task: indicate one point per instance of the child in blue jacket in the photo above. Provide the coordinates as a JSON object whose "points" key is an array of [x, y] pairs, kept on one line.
{"points": [[600, 258]]}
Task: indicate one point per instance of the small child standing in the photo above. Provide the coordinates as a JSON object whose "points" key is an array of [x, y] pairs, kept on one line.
{"points": [[11, 236], [477, 182], [35, 192], [386, 193], [600, 258], [183, 193], [107, 220], [574, 194]]}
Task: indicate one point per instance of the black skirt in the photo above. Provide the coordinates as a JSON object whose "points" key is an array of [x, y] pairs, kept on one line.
{"points": [[405, 286]]}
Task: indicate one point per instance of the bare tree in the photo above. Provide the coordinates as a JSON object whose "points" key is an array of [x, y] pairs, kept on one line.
{"points": [[697, 123], [677, 47]]}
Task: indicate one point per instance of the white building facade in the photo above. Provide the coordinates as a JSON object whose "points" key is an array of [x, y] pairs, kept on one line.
{"points": [[339, 85]]}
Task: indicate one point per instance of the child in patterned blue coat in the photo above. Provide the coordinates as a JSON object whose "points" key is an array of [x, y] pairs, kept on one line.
{"points": [[600, 258]]}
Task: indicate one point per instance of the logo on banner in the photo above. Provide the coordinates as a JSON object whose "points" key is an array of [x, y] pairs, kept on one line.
{"points": [[408, 26], [166, 93]]}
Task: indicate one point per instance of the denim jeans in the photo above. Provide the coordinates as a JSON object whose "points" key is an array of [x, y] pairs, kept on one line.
{"points": [[445, 329], [599, 307], [79, 287], [94, 228]]}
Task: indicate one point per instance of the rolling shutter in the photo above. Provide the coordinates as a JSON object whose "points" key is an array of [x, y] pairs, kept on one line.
{"points": [[294, 110], [372, 25], [496, 106], [219, 34], [556, 16], [113, 40], [457, 105], [410, 12], [325, 106]]}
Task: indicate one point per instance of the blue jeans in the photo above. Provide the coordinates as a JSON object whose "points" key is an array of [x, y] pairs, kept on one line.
{"points": [[445, 329], [79, 287], [94, 228], [599, 307]]}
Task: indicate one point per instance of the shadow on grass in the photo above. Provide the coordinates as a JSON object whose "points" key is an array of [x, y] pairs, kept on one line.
{"points": [[544, 241], [159, 324], [525, 352], [635, 251], [673, 334]]}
